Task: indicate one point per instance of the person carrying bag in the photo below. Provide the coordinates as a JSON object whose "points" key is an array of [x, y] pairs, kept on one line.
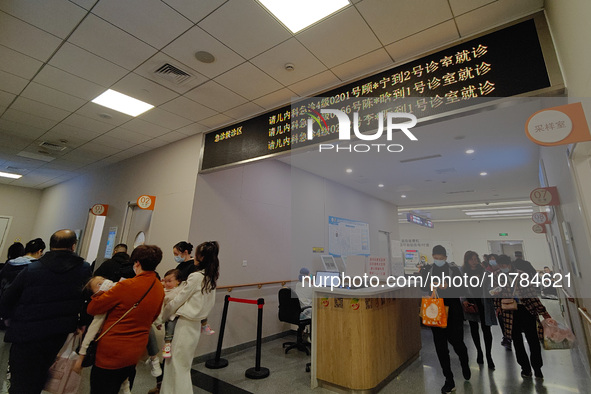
{"points": [[62, 378]]}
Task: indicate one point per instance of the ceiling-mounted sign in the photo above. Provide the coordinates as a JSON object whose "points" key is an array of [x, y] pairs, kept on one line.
{"points": [[504, 63], [562, 125], [99, 209], [421, 221], [545, 196], [539, 228], [540, 217], [146, 202]]}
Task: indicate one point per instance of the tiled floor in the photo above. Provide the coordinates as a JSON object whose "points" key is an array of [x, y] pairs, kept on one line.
{"points": [[563, 374]]}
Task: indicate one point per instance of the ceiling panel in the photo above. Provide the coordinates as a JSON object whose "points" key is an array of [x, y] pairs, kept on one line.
{"points": [[39, 109], [68, 83], [11, 83], [315, 84], [248, 81], [278, 98], [47, 95], [188, 109], [363, 65], [24, 38], [195, 14], [109, 42], [152, 21], [192, 129], [5, 99], [459, 7], [28, 119], [215, 96], [196, 39], [103, 114], [123, 134], [243, 111], [14, 128], [146, 128], [16, 63], [148, 68], [165, 119], [245, 27], [143, 89], [216, 121], [87, 123], [339, 45]]}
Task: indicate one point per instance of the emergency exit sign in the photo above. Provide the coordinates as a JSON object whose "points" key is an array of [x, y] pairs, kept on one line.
{"points": [[503, 234]]}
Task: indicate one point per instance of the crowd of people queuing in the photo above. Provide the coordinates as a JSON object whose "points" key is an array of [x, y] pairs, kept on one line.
{"points": [[47, 296], [513, 305]]}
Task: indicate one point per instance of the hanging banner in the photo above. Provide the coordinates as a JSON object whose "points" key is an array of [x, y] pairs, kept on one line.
{"points": [[146, 202], [540, 218], [545, 196], [562, 125], [99, 209]]}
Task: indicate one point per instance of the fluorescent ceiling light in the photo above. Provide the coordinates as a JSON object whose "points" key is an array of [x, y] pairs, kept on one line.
{"points": [[459, 206], [498, 216], [501, 212], [9, 175], [297, 15], [122, 103], [494, 209]]}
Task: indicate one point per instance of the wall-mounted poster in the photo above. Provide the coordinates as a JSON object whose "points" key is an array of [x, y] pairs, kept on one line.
{"points": [[347, 237]]}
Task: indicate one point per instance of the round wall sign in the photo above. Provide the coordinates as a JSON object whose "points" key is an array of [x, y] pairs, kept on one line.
{"points": [[549, 126], [539, 217], [538, 229]]}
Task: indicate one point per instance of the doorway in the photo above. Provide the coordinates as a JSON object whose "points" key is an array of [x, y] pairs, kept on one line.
{"points": [[136, 226], [506, 247]]}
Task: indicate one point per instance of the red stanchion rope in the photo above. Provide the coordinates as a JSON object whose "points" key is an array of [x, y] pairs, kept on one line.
{"points": [[245, 301]]}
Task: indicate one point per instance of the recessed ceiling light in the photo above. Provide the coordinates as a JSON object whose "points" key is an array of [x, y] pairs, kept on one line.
{"points": [[204, 57], [122, 103], [349, 170], [470, 151], [381, 185], [483, 173], [9, 175], [297, 15], [403, 196]]}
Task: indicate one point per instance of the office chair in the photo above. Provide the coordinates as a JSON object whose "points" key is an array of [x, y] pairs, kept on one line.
{"points": [[289, 312]]}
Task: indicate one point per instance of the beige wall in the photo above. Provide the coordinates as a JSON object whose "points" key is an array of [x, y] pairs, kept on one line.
{"points": [[22, 205]]}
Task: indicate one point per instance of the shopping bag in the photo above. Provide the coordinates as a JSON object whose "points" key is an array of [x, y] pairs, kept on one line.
{"points": [[557, 336], [433, 311], [61, 379]]}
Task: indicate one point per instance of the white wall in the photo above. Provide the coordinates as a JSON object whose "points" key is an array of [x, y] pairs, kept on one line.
{"points": [[465, 236], [22, 204]]}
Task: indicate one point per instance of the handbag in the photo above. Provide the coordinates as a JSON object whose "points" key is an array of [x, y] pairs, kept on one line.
{"points": [[471, 308], [90, 357], [61, 378], [433, 311], [509, 304]]}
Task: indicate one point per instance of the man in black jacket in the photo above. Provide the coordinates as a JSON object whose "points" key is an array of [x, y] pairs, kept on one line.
{"points": [[118, 266], [44, 304], [524, 265]]}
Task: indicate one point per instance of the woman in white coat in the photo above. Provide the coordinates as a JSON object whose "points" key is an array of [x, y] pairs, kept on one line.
{"points": [[191, 305]]}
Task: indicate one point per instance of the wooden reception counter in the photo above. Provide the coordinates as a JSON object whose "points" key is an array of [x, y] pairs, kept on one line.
{"points": [[361, 338]]}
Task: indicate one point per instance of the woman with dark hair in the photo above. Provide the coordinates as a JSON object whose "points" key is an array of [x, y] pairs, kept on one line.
{"points": [[132, 306], [15, 250], [191, 305], [32, 252], [479, 308], [182, 255], [522, 317]]}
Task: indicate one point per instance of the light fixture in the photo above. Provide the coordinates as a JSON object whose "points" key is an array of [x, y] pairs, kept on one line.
{"points": [[297, 15], [469, 151], [349, 170], [499, 212], [403, 196], [204, 57], [122, 103], [9, 175], [483, 173], [381, 185]]}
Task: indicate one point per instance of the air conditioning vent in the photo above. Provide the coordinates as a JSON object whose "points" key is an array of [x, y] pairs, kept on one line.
{"points": [[52, 146], [173, 74]]}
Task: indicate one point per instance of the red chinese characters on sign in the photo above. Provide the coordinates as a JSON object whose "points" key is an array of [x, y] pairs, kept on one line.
{"points": [[377, 266]]}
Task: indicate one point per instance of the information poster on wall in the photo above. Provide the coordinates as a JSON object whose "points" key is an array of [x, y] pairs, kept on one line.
{"points": [[347, 237], [377, 266], [110, 242]]}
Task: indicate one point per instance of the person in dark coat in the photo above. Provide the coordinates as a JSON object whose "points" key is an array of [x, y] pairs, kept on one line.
{"points": [[118, 266], [44, 304], [524, 265]]}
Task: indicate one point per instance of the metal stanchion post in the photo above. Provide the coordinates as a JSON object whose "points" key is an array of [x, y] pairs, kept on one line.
{"points": [[258, 372], [217, 362]]}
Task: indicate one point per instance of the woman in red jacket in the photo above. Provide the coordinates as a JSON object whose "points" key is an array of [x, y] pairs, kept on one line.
{"points": [[120, 349]]}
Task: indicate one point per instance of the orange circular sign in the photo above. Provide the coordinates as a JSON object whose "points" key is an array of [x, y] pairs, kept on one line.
{"points": [[98, 209]]}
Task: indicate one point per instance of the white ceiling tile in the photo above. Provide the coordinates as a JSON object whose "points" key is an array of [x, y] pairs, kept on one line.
{"points": [[196, 39], [136, 150], [216, 121], [29, 40], [315, 84], [363, 65], [146, 128], [16, 63], [164, 118], [155, 143], [39, 109], [20, 129], [414, 16], [58, 17], [84, 64], [86, 4], [5, 99], [17, 143], [28, 119], [189, 9], [103, 114], [107, 41], [192, 129], [493, 14], [172, 136], [107, 149], [143, 89], [188, 109], [50, 96], [215, 96], [338, 44], [291, 51], [126, 135], [61, 164], [11, 83], [68, 83], [422, 42], [276, 99], [244, 111], [248, 81], [460, 7], [87, 123], [151, 21], [245, 27], [71, 139], [84, 156], [148, 68]]}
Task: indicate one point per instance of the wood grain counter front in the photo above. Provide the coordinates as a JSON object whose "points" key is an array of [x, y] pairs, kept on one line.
{"points": [[362, 337]]}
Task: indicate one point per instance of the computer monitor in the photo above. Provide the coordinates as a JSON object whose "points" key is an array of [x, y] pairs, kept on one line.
{"points": [[324, 278], [329, 263]]}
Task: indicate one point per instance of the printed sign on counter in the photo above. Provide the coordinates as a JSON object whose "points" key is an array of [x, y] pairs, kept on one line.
{"points": [[146, 202]]}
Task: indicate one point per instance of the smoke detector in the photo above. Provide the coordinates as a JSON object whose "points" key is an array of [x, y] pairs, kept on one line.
{"points": [[289, 67], [204, 57]]}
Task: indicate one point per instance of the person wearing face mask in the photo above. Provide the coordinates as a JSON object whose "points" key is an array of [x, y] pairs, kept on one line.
{"points": [[454, 332], [182, 256], [523, 320], [492, 263]]}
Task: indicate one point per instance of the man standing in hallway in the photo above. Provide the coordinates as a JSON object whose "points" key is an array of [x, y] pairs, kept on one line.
{"points": [[44, 304], [454, 332], [118, 266]]}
